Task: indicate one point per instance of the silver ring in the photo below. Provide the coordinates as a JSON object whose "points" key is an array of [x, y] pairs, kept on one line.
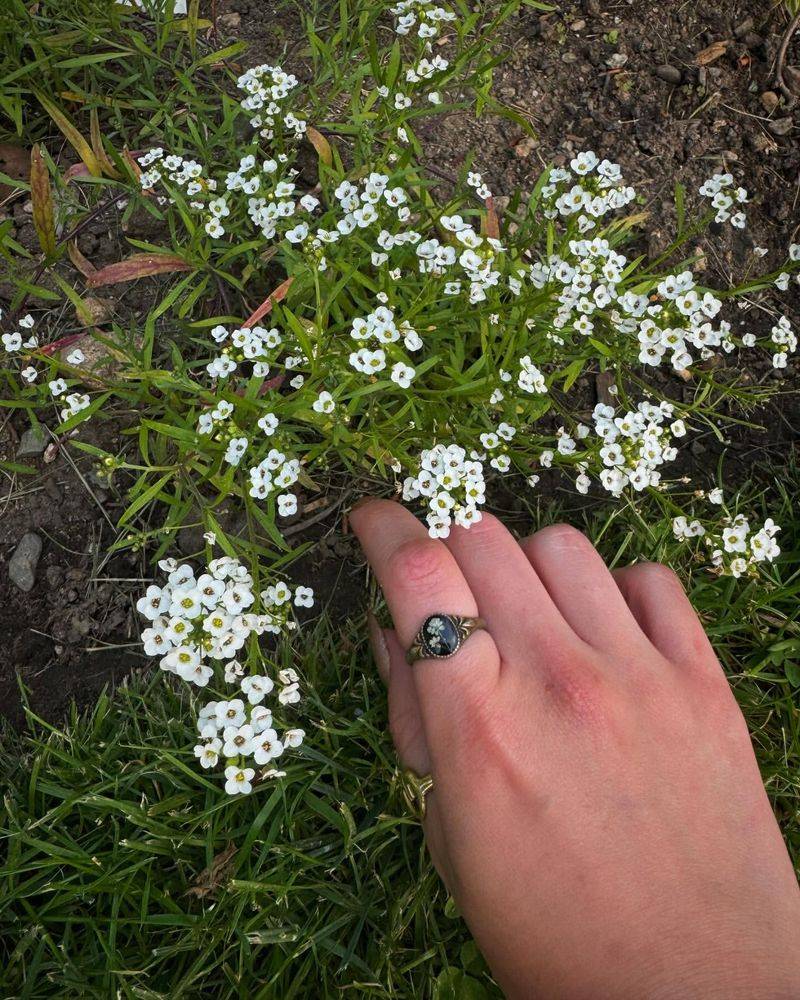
{"points": [[441, 636]]}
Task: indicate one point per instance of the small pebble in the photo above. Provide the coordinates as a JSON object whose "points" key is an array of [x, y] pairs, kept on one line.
{"points": [[32, 443], [780, 126], [753, 40], [770, 100], [22, 564], [669, 74]]}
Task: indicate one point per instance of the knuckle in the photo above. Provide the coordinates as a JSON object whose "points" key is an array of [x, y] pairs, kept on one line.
{"points": [[562, 536], [653, 574], [417, 563]]}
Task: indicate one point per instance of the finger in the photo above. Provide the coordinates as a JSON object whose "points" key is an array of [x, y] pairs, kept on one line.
{"points": [[419, 577], [405, 720], [664, 613], [405, 724], [582, 588], [512, 598]]}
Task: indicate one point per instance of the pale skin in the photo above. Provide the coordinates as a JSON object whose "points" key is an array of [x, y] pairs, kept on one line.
{"points": [[597, 810]]}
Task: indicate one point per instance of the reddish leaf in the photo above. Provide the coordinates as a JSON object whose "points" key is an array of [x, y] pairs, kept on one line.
{"points": [[266, 306], [140, 265], [86, 268], [76, 170], [492, 222], [42, 201], [60, 344]]}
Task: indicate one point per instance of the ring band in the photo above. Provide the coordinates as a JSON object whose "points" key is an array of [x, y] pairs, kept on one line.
{"points": [[414, 788], [441, 636]]}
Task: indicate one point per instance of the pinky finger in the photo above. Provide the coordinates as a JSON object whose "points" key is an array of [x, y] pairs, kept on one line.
{"points": [[405, 724]]}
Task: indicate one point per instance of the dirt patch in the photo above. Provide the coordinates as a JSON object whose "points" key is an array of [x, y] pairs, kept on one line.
{"points": [[622, 78], [72, 632]]}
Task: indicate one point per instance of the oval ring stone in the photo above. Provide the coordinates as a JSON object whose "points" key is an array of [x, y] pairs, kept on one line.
{"points": [[440, 635]]}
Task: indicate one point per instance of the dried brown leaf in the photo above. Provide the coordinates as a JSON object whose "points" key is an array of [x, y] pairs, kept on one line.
{"points": [[211, 879], [321, 144], [712, 52], [15, 161]]}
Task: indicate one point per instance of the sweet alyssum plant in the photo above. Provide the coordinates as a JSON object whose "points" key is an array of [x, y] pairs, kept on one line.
{"points": [[408, 329]]}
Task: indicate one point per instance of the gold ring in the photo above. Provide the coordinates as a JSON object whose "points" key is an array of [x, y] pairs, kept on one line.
{"points": [[441, 636], [414, 788]]}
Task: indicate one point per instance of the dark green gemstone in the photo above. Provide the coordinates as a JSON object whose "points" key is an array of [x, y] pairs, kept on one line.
{"points": [[440, 635]]}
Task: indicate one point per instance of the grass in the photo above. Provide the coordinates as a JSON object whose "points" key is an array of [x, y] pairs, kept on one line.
{"points": [[322, 887]]}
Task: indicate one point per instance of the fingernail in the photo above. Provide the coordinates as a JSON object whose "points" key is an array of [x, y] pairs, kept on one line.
{"points": [[379, 648]]}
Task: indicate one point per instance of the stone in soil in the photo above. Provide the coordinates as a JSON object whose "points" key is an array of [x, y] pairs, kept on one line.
{"points": [[669, 74], [22, 564], [32, 443]]}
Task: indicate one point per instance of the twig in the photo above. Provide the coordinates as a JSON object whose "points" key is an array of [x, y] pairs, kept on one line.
{"points": [[787, 37], [294, 529]]}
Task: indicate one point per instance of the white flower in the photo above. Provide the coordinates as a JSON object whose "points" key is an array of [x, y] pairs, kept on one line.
{"points": [[237, 740], [266, 746], [57, 387], [238, 780], [256, 687], [208, 753], [402, 374], [76, 357], [304, 597], [229, 713], [268, 423], [324, 403], [289, 695], [287, 504]]}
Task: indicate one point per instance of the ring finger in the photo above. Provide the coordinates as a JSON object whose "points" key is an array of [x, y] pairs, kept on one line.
{"points": [[419, 578]]}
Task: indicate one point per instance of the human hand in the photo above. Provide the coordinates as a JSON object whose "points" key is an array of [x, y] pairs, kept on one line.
{"points": [[597, 810]]}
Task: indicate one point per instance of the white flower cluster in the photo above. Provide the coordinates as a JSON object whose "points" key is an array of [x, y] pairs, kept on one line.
{"points": [[588, 190], [242, 731], [248, 343], [201, 625], [725, 196], [682, 320], [22, 339], [423, 15], [737, 549], [380, 326], [267, 88], [635, 444], [453, 486], [785, 341]]}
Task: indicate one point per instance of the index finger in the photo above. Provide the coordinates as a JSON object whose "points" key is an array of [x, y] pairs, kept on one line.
{"points": [[419, 577]]}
